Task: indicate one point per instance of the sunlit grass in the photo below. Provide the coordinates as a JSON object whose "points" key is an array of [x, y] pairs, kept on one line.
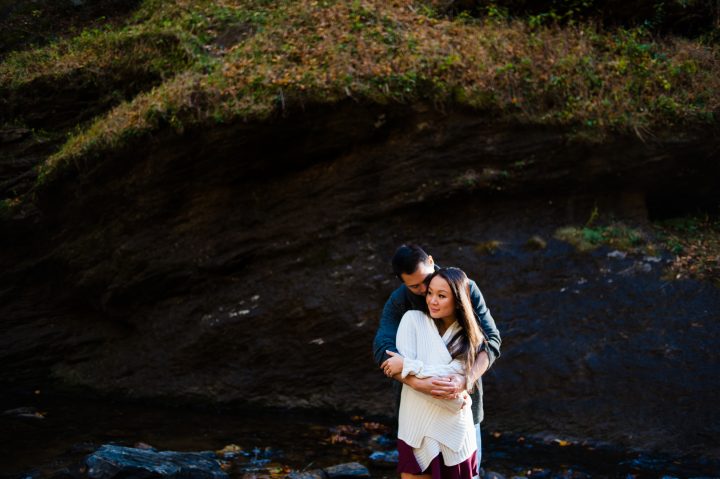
{"points": [[248, 60]]}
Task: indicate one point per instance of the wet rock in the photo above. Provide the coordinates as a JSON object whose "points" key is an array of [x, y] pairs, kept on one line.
{"points": [[572, 474], [313, 474], [112, 461], [73, 472], [384, 458], [493, 475], [637, 267], [350, 470], [384, 440], [539, 474], [25, 412], [83, 448], [617, 254], [536, 243], [33, 474]]}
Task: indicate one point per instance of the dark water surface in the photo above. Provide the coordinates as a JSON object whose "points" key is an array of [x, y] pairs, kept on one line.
{"points": [[274, 442]]}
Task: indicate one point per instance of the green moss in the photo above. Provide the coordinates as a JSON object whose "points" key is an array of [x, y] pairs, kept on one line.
{"points": [[614, 235], [487, 247]]}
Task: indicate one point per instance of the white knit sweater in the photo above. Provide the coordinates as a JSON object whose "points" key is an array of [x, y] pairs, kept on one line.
{"points": [[430, 425]]}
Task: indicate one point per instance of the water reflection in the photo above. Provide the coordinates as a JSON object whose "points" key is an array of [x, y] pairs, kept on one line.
{"points": [[54, 432]]}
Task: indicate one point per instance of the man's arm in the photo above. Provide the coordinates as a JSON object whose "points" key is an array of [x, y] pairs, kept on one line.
{"points": [[387, 330], [487, 357], [453, 402]]}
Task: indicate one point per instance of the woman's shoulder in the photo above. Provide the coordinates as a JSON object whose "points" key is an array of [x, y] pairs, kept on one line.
{"points": [[415, 316]]}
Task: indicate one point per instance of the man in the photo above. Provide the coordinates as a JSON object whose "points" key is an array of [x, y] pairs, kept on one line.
{"points": [[411, 264]]}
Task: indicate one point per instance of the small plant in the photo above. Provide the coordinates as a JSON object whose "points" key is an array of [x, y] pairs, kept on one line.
{"points": [[487, 247], [695, 242]]}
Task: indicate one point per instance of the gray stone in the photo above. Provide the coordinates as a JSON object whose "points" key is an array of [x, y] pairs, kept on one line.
{"points": [[617, 254], [24, 412], [536, 243], [493, 475], [312, 474], [349, 470], [384, 458], [112, 461]]}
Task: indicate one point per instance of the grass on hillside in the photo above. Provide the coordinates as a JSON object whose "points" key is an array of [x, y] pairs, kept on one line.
{"points": [[254, 58]]}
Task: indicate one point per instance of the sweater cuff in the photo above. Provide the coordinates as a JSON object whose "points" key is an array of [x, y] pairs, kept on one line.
{"points": [[411, 366]]}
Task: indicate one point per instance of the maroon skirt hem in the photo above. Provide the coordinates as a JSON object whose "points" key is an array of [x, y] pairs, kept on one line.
{"points": [[408, 464]]}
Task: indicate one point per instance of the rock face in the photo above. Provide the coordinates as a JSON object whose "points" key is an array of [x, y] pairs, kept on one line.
{"points": [[250, 263]]}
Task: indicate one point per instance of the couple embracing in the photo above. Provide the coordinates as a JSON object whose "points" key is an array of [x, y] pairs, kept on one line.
{"points": [[436, 339]]}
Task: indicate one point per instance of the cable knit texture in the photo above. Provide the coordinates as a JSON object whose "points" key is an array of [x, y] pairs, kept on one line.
{"points": [[425, 423]]}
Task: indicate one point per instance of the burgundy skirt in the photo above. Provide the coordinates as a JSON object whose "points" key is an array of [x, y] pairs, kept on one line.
{"points": [[407, 463]]}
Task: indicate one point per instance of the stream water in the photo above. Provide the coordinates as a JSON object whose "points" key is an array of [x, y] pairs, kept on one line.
{"points": [[59, 430]]}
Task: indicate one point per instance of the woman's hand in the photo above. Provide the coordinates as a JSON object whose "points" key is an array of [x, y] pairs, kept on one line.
{"points": [[450, 387], [393, 365]]}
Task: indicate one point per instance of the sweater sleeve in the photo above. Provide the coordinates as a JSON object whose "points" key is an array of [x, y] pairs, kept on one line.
{"points": [[387, 330], [422, 370], [486, 322], [406, 339]]}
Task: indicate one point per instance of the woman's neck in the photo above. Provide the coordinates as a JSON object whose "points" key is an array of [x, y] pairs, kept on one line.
{"points": [[445, 323]]}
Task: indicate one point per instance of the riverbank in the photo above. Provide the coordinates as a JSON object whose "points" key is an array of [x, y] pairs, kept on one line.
{"points": [[272, 443]]}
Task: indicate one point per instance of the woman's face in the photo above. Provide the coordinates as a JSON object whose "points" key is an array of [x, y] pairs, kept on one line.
{"points": [[439, 299]]}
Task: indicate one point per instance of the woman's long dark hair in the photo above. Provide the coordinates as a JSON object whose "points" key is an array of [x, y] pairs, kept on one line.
{"points": [[468, 342]]}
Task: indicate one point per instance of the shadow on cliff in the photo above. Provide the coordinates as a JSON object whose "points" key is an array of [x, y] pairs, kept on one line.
{"points": [[249, 263]]}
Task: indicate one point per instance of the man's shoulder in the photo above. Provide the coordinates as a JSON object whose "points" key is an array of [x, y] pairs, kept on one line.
{"points": [[399, 296], [474, 288]]}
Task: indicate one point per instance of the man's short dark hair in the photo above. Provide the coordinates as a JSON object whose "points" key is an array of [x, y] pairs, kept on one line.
{"points": [[407, 258]]}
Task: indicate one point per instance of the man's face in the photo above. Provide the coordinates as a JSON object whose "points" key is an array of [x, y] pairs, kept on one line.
{"points": [[415, 282]]}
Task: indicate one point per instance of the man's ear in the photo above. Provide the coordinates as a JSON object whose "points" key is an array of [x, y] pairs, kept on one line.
{"points": [[430, 261]]}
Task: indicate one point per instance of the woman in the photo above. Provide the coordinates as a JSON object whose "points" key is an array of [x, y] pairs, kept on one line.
{"points": [[436, 438]]}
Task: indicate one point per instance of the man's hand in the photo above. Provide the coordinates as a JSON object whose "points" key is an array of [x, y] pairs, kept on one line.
{"points": [[449, 387]]}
